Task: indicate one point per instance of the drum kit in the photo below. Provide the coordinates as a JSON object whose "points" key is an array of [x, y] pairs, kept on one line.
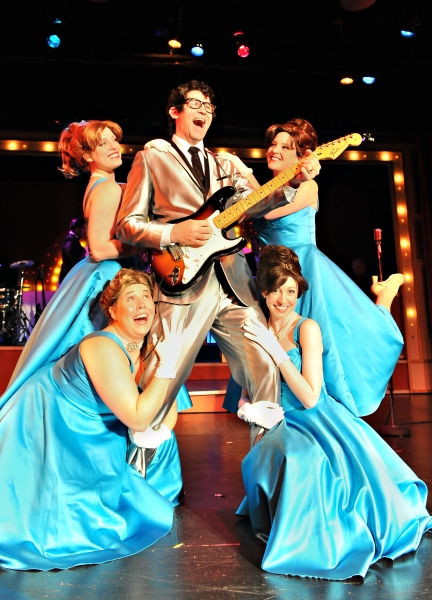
{"points": [[13, 320]]}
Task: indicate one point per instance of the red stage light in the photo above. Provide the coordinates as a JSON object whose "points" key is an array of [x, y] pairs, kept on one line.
{"points": [[243, 51]]}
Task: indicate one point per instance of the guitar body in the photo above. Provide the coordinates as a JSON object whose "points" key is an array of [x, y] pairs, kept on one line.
{"points": [[176, 268]]}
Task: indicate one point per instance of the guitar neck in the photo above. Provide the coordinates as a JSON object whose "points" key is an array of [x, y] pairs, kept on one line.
{"points": [[330, 150], [230, 215]]}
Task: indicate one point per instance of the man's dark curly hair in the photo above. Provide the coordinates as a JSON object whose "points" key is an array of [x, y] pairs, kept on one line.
{"points": [[178, 96]]}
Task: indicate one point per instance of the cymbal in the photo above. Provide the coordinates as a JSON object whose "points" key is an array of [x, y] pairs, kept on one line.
{"points": [[20, 264]]}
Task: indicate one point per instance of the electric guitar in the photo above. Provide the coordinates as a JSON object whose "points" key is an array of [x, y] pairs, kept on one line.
{"points": [[176, 268]]}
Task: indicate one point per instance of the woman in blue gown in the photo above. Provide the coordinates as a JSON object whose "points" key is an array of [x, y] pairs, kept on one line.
{"points": [[362, 342], [74, 311], [325, 493], [69, 497]]}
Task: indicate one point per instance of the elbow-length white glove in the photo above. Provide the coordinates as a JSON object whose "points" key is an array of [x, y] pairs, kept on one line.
{"points": [[263, 413], [259, 333], [150, 438], [168, 349]]}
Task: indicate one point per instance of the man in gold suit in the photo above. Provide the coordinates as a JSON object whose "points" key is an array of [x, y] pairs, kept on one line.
{"points": [[165, 186]]}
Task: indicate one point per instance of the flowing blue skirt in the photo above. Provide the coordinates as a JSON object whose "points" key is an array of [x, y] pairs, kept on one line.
{"points": [[68, 496], [329, 497]]}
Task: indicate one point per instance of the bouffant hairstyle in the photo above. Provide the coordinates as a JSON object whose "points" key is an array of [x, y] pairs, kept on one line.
{"points": [[177, 98], [276, 264], [302, 133], [78, 140], [123, 279]]}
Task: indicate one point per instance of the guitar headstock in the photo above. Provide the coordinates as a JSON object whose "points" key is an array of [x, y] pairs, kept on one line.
{"points": [[334, 149]]}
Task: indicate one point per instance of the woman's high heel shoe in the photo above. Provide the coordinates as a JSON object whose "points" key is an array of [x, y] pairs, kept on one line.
{"points": [[393, 283], [385, 291]]}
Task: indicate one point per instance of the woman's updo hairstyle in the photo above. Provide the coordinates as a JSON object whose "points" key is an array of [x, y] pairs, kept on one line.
{"points": [[78, 140], [276, 264], [301, 132]]}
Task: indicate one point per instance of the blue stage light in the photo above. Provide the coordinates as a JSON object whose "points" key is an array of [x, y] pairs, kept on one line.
{"points": [[406, 33], [368, 80], [53, 40], [197, 50]]}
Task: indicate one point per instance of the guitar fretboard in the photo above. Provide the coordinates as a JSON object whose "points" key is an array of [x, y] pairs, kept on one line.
{"points": [[233, 213]]}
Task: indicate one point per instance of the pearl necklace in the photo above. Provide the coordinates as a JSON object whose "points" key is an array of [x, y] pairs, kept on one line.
{"points": [[285, 328], [130, 346], [98, 175]]}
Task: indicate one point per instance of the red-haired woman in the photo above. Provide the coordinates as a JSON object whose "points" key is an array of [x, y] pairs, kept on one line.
{"points": [[362, 342], [87, 147]]}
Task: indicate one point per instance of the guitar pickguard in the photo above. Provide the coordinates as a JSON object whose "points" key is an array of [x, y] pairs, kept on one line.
{"points": [[217, 245], [178, 267]]}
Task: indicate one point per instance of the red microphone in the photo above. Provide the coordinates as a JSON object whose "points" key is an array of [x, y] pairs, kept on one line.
{"points": [[378, 239]]}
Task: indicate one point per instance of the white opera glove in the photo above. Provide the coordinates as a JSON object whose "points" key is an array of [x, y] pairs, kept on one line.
{"points": [[244, 170], [150, 438], [159, 144], [168, 350], [264, 413], [259, 333]]}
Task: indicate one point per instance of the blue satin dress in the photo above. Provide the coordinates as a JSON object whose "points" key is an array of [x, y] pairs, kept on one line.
{"points": [[71, 314], [362, 342], [68, 496], [327, 494]]}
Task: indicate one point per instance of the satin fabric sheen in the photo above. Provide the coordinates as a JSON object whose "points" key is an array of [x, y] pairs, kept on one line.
{"points": [[68, 496], [72, 313], [361, 340], [327, 494]]}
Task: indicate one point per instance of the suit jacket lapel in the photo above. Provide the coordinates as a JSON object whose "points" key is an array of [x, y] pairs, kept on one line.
{"points": [[188, 167]]}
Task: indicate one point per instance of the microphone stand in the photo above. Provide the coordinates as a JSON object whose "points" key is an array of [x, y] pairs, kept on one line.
{"points": [[392, 429], [378, 238]]}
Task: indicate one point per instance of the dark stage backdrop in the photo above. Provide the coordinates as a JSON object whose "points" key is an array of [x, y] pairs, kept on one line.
{"points": [[37, 204]]}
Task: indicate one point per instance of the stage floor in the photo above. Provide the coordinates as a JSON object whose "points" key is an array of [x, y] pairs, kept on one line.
{"points": [[211, 554]]}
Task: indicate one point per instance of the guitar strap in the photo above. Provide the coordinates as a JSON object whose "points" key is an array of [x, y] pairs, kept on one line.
{"points": [[204, 189], [221, 169]]}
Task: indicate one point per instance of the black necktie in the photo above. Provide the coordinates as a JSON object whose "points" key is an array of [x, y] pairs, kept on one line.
{"points": [[196, 165]]}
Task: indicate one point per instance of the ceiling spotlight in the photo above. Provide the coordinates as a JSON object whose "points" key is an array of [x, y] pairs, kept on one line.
{"points": [[243, 49], [197, 50], [347, 80], [412, 24], [53, 39], [174, 44], [356, 5], [368, 80]]}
